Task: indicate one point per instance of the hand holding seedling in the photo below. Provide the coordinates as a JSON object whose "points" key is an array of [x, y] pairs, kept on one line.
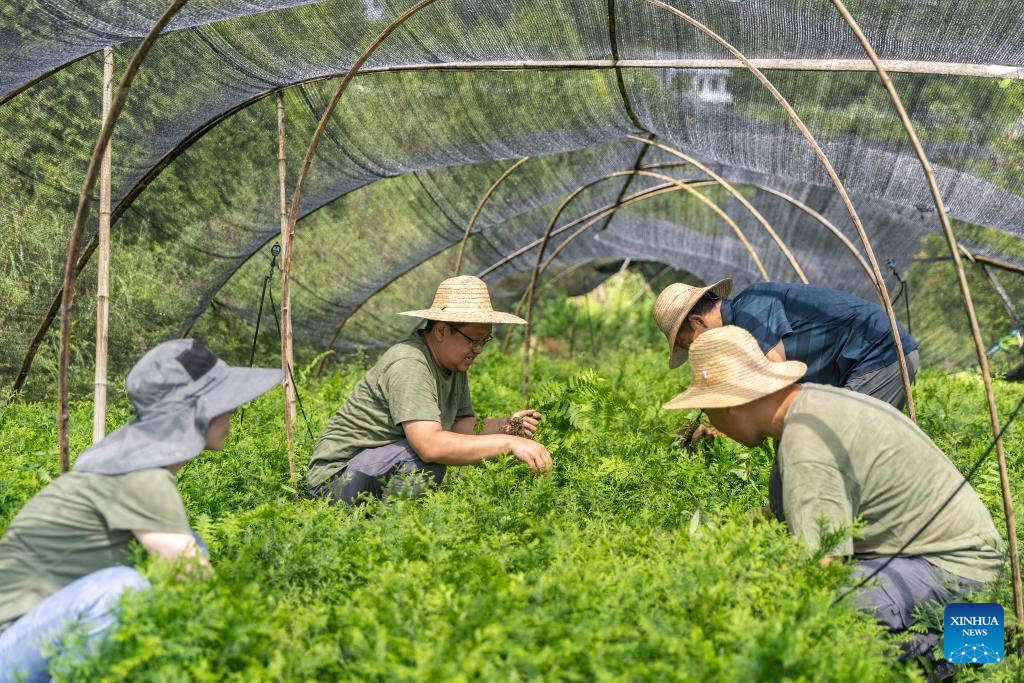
{"points": [[523, 423], [703, 433]]}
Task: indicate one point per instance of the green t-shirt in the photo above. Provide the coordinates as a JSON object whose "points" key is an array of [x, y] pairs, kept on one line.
{"points": [[81, 523], [847, 456], [406, 384]]}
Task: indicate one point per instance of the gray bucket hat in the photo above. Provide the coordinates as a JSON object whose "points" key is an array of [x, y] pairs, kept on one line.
{"points": [[177, 388]]}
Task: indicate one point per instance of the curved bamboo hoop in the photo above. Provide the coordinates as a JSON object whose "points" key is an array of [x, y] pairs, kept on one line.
{"points": [[728, 187], [601, 213], [883, 293], [82, 213], [480, 207], [965, 293], [321, 127], [519, 252], [828, 225], [529, 294], [693, 183]]}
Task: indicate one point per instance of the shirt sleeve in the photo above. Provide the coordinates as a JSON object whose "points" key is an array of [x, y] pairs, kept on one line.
{"points": [[465, 401], [147, 500], [411, 392], [763, 316], [813, 492]]}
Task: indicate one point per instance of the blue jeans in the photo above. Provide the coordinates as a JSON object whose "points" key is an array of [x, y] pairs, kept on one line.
{"points": [[90, 601]]}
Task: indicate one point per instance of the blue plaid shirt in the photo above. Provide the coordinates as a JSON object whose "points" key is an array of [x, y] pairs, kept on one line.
{"points": [[839, 336]]}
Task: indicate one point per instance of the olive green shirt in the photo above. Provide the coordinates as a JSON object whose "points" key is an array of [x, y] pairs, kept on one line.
{"points": [[80, 523], [845, 456], [406, 384]]}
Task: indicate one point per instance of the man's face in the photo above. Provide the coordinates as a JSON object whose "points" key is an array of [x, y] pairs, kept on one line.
{"points": [[688, 333], [460, 347], [696, 325], [736, 424]]}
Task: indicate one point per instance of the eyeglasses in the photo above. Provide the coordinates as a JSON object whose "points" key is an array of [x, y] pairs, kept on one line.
{"points": [[478, 344]]}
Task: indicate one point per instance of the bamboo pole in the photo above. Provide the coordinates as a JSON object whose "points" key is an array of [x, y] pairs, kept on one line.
{"points": [[479, 207], [728, 187], [321, 127], [883, 293], [99, 404], [965, 294], [287, 354], [528, 293], [1000, 71], [81, 214]]}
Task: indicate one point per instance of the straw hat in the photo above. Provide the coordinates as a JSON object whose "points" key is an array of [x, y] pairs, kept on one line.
{"points": [[674, 304], [464, 299], [727, 368]]}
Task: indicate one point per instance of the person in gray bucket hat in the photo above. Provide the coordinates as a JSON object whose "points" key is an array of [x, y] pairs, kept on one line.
{"points": [[65, 558]]}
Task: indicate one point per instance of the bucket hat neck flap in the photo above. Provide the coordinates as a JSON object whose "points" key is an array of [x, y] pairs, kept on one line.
{"points": [[177, 388]]}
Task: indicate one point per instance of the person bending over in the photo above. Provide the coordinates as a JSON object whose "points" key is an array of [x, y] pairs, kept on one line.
{"points": [[65, 558], [844, 340], [411, 414], [844, 457]]}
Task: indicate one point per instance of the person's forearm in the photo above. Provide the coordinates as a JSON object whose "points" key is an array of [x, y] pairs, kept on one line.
{"points": [[493, 425], [451, 448]]}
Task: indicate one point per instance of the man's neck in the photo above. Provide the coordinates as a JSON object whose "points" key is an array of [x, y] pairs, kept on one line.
{"points": [[778, 406]]}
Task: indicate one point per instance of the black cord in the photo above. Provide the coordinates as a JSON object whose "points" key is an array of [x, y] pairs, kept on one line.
{"points": [[295, 387], [274, 251], [903, 290], [920, 531]]}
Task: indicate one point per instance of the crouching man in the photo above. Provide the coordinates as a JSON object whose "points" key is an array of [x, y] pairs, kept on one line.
{"points": [[411, 414], [65, 558], [843, 456]]}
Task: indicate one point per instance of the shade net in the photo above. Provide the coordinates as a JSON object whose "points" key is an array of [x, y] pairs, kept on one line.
{"points": [[447, 103]]}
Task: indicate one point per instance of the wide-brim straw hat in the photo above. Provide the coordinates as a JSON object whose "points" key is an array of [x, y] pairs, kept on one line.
{"points": [[673, 305], [727, 368], [464, 299]]}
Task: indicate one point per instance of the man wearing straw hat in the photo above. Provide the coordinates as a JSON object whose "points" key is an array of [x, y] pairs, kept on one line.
{"points": [[411, 414], [844, 340], [842, 458]]}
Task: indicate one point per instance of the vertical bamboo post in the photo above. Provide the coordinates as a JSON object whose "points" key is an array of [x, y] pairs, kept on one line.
{"points": [[81, 214], [99, 405], [287, 355], [972, 319]]}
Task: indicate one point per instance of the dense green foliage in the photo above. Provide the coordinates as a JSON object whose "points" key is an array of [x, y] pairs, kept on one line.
{"points": [[634, 560]]}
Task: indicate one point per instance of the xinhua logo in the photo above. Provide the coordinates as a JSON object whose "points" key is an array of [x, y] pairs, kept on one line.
{"points": [[973, 633]]}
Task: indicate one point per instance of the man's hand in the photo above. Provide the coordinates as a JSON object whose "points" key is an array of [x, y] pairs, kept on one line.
{"points": [[704, 433], [531, 418], [532, 453]]}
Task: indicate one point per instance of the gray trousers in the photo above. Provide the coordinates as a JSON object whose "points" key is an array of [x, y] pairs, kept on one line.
{"points": [[886, 384], [394, 469], [909, 583]]}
